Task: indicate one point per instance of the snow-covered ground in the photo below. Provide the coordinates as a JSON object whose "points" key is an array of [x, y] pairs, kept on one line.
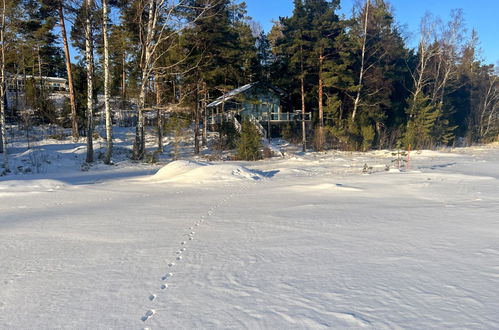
{"points": [[307, 241]]}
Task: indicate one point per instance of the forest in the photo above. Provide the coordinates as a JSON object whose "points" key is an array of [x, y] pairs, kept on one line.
{"points": [[365, 87]]}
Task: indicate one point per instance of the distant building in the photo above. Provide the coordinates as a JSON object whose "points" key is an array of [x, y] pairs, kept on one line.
{"points": [[16, 88], [258, 102]]}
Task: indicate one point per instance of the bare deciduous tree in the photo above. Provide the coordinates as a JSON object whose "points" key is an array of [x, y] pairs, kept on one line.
{"points": [[162, 22], [363, 68], [421, 76], [488, 108]]}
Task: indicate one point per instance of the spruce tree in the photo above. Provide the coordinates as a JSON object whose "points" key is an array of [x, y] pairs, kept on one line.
{"points": [[250, 143]]}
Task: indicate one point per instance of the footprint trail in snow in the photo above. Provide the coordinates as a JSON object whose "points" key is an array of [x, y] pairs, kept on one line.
{"points": [[178, 254]]}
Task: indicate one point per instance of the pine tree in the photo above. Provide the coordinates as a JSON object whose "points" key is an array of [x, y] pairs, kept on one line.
{"points": [[222, 52], [293, 51], [9, 28], [265, 57], [323, 30]]}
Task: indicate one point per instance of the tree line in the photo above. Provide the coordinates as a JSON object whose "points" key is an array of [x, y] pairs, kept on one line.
{"points": [[364, 85]]}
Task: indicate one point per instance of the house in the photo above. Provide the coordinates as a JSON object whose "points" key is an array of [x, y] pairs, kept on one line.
{"points": [[16, 88], [258, 102]]}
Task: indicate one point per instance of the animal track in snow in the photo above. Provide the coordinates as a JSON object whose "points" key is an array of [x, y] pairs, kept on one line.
{"points": [[178, 253], [148, 314], [167, 276]]}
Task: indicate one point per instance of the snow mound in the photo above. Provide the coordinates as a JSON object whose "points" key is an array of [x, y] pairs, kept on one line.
{"points": [[29, 186], [175, 169], [191, 172]]}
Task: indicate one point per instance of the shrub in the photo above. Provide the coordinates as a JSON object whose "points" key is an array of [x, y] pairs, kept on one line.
{"points": [[367, 137], [228, 135], [250, 143]]}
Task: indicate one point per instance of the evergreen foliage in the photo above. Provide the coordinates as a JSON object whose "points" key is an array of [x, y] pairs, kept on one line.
{"points": [[422, 117], [228, 136], [362, 83], [249, 144]]}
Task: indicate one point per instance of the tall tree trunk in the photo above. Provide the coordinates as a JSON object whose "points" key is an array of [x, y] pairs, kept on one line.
{"points": [[72, 102], [321, 107], [3, 134], [356, 101], [196, 121], [205, 115], [89, 56], [40, 76], [159, 96], [107, 108], [123, 76], [140, 146], [302, 89]]}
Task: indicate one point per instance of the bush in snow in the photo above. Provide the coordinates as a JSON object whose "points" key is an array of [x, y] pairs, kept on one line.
{"points": [[250, 143], [228, 136]]}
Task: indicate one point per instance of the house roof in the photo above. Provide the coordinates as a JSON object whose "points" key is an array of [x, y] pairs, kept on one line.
{"points": [[28, 76], [230, 95], [239, 90]]}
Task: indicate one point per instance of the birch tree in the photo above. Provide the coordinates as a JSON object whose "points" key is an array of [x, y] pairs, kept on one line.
{"points": [[3, 45], [447, 55], [161, 21], [363, 67], [89, 59], [421, 113], [107, 109], [488, 108]]}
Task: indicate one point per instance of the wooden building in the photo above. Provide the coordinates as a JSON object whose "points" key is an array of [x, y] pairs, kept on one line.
{"points": [[258, 102]]}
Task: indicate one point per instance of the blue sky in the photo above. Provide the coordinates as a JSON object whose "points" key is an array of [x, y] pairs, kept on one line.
{"points": [[482, 15]]}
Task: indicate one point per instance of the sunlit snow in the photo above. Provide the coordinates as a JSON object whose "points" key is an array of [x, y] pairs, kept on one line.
{"points": [[309, 240]]}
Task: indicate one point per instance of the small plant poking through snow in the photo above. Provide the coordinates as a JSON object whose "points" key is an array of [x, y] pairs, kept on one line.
{"points": [[367, 169], [177, 127], [38, 160], [400, 159]]}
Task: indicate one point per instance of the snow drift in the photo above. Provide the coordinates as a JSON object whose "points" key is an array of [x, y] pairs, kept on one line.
{"points": [[182, 171], [11, 187]]}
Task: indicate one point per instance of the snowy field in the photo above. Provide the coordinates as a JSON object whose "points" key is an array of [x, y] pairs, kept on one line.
{"points": [[307, 241]]}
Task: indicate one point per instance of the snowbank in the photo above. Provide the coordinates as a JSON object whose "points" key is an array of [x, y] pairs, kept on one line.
{"points": [[175, 168], [29, 186], [182, 171]]}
